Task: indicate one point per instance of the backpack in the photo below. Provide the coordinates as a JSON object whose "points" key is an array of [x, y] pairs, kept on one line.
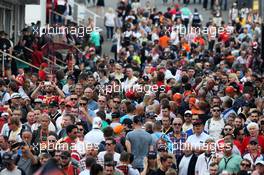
{"points": [[196, 19]]}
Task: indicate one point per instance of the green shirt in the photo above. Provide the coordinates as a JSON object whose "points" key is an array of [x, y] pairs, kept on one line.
{"points": [[95, 38], [230, 164]]}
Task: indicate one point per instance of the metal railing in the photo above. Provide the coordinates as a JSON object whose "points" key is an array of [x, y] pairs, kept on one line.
{"points": [[45, 58], [4, 54]]}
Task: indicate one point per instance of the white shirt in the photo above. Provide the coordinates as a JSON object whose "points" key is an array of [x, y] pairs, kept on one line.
{"points": [[110, 19], [202, 165], [129, 83], [184, 164], [215, 128], [101, 157], [197, 141], [247, 156], [85, 172], [36, 125], [4, 98], [95, 136]]}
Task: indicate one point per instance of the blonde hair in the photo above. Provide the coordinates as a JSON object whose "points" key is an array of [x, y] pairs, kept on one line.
{"points": [[110, 10]]}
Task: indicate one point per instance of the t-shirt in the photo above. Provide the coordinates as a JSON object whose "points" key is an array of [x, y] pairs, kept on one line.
{"points": [[16, 171], [214, 127], [85, 172], [102, 154], [184, 164], [140, 141], [197, 141]]}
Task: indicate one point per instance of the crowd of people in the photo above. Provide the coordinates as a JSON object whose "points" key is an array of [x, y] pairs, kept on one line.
{"points": [[179, 96]]}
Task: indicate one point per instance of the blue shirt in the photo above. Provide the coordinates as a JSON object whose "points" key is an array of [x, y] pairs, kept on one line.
{"points": [[92, 105]]}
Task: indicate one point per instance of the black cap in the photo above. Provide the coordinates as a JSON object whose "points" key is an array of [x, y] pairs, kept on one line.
{"points": [[152, 155], [197, 122], [7, 156], [112, 61], [162, 148], [145, 78], [253, 141], [71, 77], [65, 154], [53, 104], [115, 115]]}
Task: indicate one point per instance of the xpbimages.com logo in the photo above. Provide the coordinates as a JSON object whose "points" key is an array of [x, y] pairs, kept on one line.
{"points": [[79, 31]]}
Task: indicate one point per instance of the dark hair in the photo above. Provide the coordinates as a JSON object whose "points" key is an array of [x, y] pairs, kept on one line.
{"points": [[125, 157], [165, 158], [89, 161], [96, 169], [112, 139], [70, 128], [108, 131]]}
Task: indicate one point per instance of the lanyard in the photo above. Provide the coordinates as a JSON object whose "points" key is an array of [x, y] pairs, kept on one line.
{"points": [[226, 161], [207, 162]]}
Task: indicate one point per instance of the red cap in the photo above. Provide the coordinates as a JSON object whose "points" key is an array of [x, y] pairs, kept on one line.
{"points": [[177, 97], [130, 94], [69, 103], [229, 89], [44, 65]]}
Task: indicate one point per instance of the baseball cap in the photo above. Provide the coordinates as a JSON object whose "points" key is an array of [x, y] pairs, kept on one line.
{"points": [[69, 103], [71, 77], [188, 112], [4, 114], [197, 122], [7, 156], [152, 155], [15, 95], [162, 148], [97, 122], [53, 104], [38, 100], [259, 162], [253, 141], [115, 115]]}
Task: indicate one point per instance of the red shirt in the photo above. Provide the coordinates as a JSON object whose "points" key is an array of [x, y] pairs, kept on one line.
{"points": [[246, 142], [69, 170]]}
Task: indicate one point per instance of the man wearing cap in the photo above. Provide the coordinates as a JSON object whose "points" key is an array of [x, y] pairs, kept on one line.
{"points": [[53, 111], [5, 44], [259, 168], [68, 165], [10, 167], [254, 152], [187, 121], [69, 85], [95, 136], [199, 137]]}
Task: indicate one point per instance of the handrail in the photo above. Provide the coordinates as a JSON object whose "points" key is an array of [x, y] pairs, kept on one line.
{"points": [[49, 59], [19, 60]]}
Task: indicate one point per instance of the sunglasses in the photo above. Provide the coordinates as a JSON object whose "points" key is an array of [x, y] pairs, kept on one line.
{"points": [[216, 110], [64, 158], [245, 164], [52, 141], [118, 102], [101, 101], [82, 104], [162, 150], [228, 129], [74, 99], [108, 144], [177, 124]]}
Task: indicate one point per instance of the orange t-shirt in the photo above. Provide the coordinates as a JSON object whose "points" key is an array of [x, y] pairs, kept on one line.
{"points": [[164, 41]]}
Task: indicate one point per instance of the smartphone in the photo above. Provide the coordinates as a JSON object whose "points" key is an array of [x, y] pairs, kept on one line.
{"points": [[47, 83]]}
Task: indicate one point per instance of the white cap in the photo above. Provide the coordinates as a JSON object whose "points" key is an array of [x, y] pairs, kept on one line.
{"points": [[259, 162], [4, 114], [188, 112], [97, 123], [15, 95]]}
